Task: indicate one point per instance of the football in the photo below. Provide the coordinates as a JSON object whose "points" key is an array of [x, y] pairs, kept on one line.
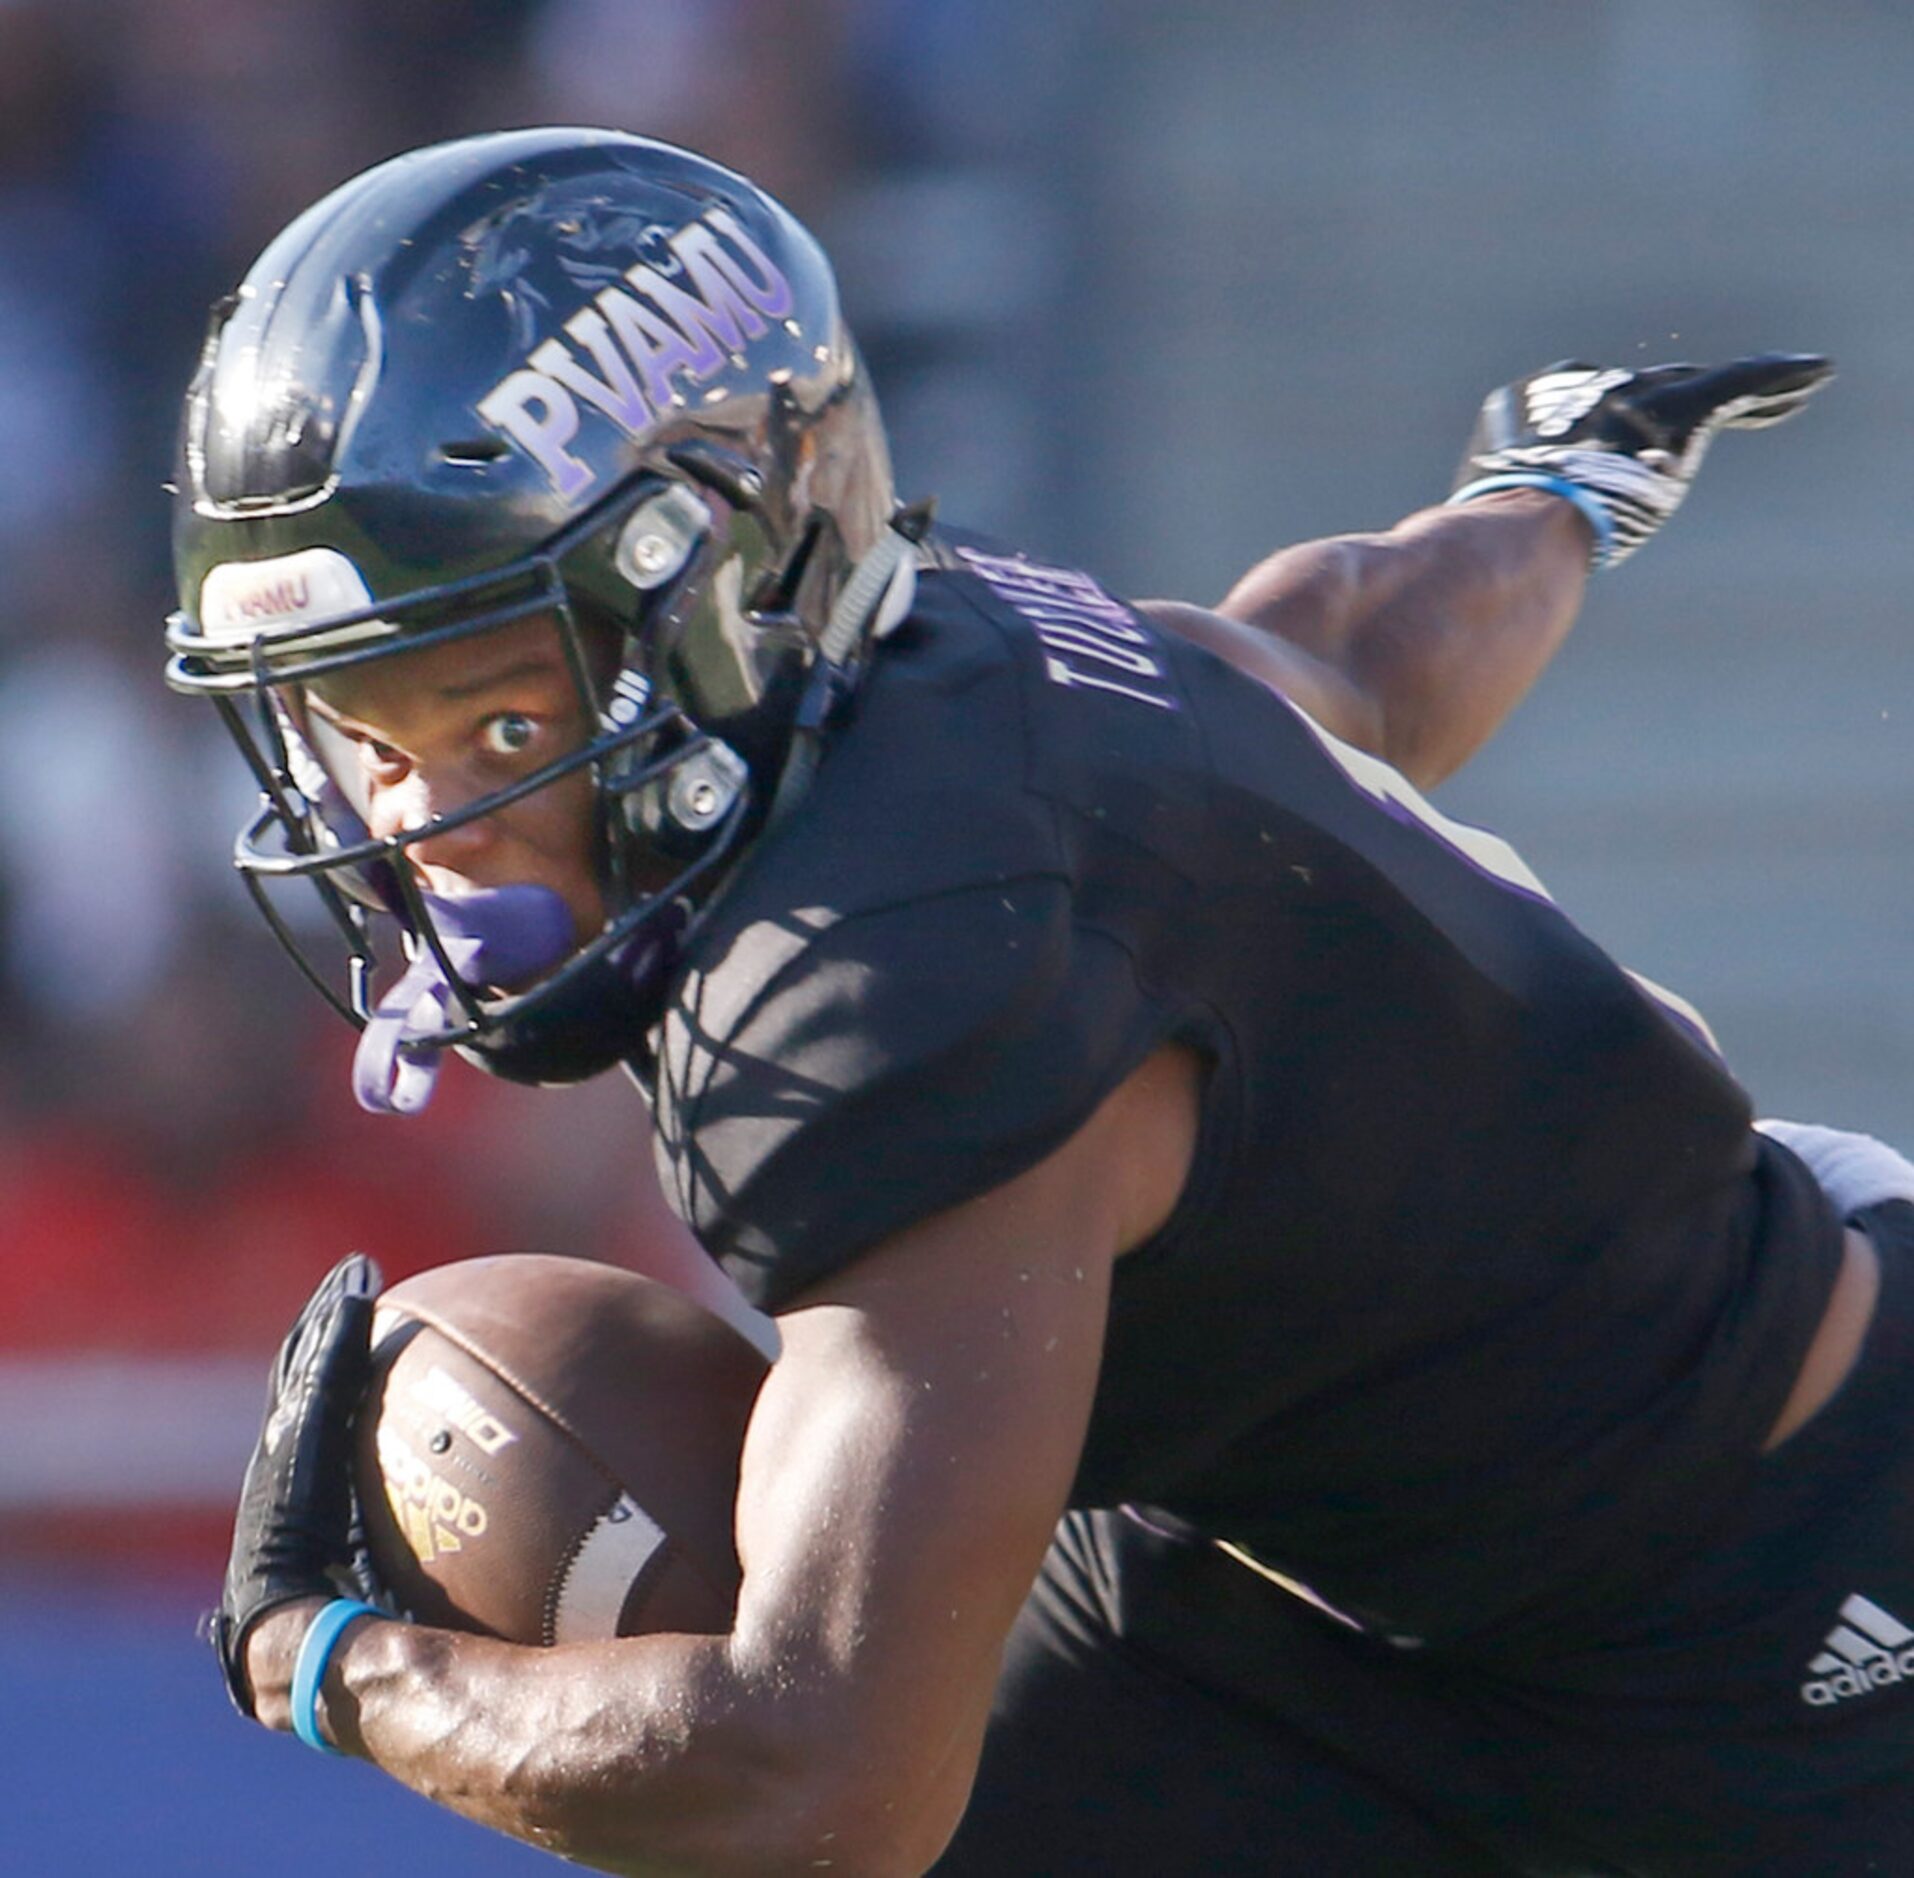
{"points": [[549, 1449]]}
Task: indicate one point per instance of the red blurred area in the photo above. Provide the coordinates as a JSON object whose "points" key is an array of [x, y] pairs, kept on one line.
{"points": [[111, 1248], [155, 1253]]}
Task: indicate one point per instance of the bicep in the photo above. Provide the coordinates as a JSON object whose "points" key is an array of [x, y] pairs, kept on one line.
{"points": [[1328, 694], [908, 1459], [1414, 644]]}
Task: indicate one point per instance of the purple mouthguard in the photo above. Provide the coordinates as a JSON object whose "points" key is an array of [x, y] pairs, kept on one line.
{"points": [[495, 936]]}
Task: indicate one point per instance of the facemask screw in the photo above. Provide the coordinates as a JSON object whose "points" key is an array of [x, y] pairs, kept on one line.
{"points": [[659, 536], [651, 554], [703, 789]]}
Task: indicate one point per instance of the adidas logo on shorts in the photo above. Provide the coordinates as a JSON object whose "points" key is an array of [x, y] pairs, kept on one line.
{"points": [[1866, 1650]]}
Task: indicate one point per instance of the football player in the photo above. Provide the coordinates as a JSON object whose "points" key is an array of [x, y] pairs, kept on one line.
{"points": [[1291, 1358]]}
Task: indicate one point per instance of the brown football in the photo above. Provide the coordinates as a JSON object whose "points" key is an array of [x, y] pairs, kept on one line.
{"points": [[549, 1451]]}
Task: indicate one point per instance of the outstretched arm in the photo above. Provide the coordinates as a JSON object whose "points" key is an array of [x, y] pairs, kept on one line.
{"points": [[1415, 644]]}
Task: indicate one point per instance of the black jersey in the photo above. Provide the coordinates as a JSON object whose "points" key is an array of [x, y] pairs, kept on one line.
{"points": [[1481, 1282]]}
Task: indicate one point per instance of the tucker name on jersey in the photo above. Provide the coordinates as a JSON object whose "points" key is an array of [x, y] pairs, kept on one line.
{"points": [[1089, 638]]}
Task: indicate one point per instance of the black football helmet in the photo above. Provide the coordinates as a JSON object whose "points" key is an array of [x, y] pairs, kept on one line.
{"points": [[563, 373]]}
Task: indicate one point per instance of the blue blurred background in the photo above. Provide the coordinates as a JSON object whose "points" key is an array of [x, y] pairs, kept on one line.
{"points": [[1156, 288]]}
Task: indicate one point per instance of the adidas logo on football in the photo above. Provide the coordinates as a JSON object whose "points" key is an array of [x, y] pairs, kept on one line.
{"points": [[1866, 1650]]}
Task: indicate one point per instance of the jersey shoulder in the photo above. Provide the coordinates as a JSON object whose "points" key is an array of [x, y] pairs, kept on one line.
{"points": [[901, 1002], [881, 1068]]}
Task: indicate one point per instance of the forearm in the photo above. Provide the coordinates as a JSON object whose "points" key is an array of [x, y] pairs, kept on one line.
{"points": [[647, 1755], [1440, 625]]}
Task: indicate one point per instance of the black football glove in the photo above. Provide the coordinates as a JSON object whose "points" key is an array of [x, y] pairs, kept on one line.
{"points": [[1629, 442], [293, 1534]]}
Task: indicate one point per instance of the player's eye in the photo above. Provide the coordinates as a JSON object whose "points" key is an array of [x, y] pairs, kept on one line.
{"points": [[509, 733]]}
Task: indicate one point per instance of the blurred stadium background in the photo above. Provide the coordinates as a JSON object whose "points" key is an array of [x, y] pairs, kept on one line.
{"points": [[1159, 288]]}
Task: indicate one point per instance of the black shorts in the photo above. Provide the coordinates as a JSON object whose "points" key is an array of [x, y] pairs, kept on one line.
{"points": [[1166, 1710]]}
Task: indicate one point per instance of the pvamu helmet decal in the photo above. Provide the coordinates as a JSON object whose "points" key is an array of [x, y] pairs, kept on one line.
{"points": [[560, 373]]}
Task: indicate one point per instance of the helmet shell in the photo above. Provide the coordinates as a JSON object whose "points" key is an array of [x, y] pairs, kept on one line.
{"points": [[572, 364], [455, 356]]}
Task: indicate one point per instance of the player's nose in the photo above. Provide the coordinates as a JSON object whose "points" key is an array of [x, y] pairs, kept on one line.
{"points": [[434, 808]]}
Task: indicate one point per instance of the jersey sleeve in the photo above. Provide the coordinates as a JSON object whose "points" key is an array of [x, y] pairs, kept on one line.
{"points": [[889, 1065]]}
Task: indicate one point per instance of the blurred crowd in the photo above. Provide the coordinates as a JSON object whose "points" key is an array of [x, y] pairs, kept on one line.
{"points": [[179, 1156]]}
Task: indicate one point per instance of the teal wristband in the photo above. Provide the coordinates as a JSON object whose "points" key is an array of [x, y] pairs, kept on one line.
{"points": [[1594, 509], [315, 1652]]}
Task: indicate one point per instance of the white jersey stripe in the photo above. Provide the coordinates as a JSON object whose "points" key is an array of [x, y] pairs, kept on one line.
{"points": [[1674, 1003]]}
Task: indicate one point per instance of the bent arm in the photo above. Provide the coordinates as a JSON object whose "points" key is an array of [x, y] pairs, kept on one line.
{"points": [[1416, 643], [909, 1456]]}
